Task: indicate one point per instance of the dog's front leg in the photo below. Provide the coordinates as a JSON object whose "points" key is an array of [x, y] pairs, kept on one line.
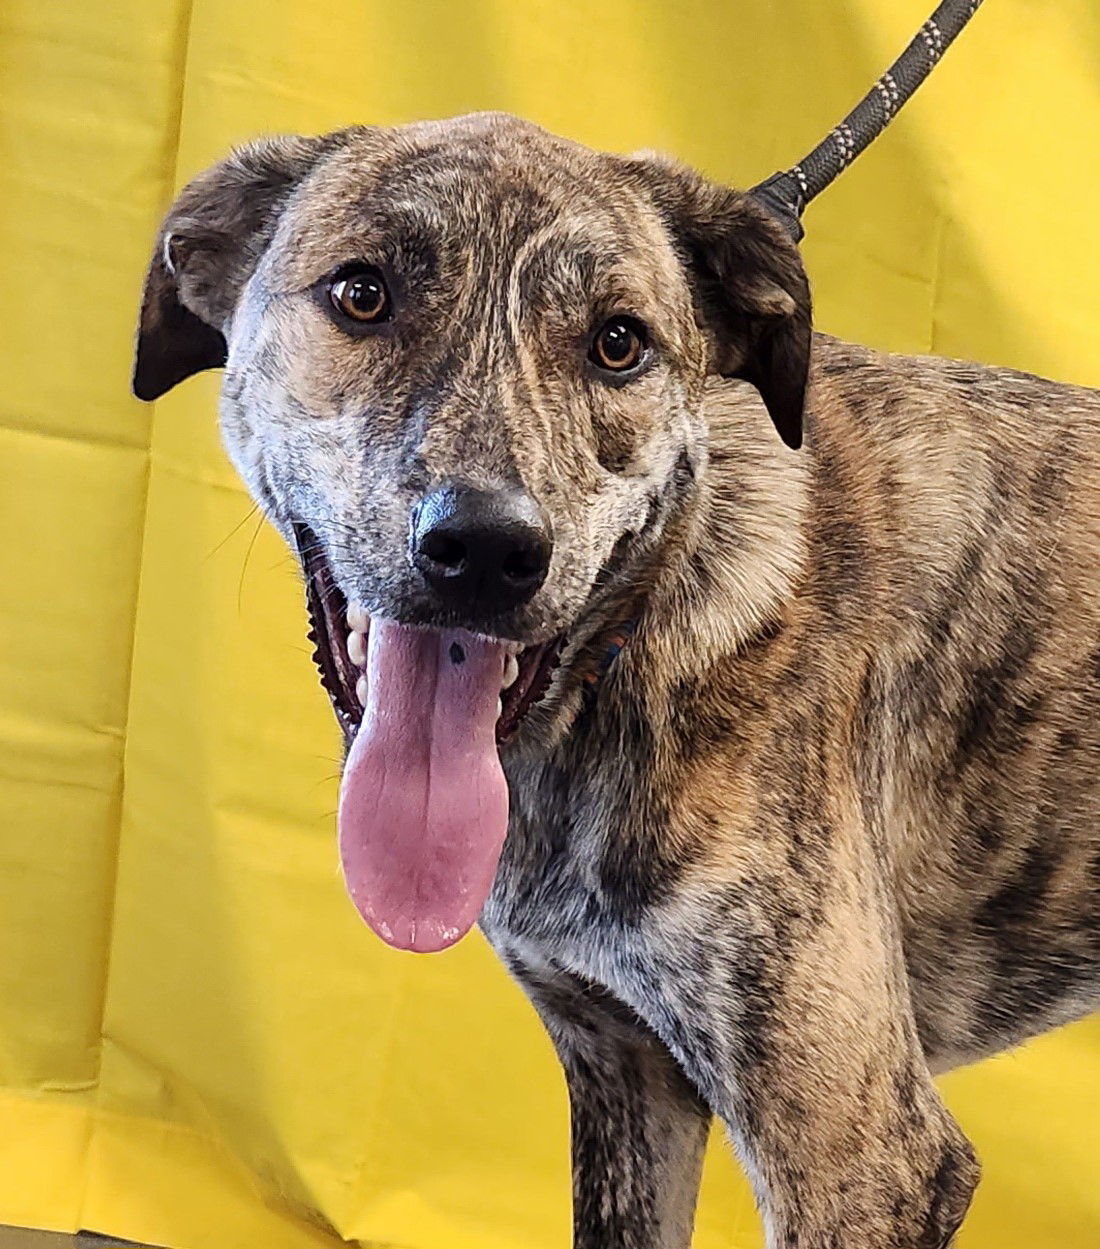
{"points": [[638, 1128], [789, 1010]]}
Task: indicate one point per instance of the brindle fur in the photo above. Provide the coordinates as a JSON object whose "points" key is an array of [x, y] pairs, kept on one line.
{"points": [[830, 824]]}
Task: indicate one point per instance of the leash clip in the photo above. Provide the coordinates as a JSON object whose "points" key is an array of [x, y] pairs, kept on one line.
{"points": [[781, 197]]}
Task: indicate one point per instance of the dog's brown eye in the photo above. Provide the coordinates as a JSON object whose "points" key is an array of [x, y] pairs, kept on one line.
{"points": [[362, 296], [619, 345]]}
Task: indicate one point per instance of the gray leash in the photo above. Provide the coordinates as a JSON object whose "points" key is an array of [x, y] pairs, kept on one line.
{"points": [[786, 194]]}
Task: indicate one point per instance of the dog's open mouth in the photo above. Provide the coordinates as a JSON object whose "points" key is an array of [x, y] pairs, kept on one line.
{"points": [[524, 681], [423, 799]]}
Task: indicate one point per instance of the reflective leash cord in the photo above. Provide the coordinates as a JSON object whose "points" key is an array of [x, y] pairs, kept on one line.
{"points": [[786, 194]]}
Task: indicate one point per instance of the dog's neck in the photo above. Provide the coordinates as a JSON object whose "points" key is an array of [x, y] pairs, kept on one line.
{"points": [[728, 563], [732, 558]]}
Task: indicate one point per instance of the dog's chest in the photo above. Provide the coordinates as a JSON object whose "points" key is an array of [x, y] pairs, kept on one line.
{"points": [[566, 890]]}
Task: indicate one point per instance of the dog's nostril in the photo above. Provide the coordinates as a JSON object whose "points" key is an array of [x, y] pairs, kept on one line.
{"points": [[445, 550], [480, 550], [521, 566]]}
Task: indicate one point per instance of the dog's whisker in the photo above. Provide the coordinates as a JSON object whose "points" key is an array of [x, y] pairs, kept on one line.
{"points": [[244, 565], [236, 529]]}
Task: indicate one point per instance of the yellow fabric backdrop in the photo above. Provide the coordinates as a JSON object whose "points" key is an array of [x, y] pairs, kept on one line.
{"points": [[199, 1042]]}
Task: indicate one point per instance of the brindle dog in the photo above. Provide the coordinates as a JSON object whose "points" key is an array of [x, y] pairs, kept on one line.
{"points": [[828, 823]]}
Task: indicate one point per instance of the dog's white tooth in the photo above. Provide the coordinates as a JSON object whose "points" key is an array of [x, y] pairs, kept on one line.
{"points": [[358, 618], [511, 671], [357, 648], [361, 690], [500, 708]]}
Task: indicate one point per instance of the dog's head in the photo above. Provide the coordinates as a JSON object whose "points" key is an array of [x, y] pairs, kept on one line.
{"points": [[465, 365]]}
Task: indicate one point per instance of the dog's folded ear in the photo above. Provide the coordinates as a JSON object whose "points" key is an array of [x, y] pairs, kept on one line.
{"points": [[750, 286], [207, 247]]}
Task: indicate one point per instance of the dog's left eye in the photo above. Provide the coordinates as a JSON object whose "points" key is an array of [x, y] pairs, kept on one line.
{"points": [[619, 345], [362, 296]]}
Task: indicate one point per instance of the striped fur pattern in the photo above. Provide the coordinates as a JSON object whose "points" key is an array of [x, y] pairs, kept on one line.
{"points": [[828, 823]]}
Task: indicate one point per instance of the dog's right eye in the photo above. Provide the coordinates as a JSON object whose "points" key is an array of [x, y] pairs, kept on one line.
{"points": [[619, 346], [362, 296]]}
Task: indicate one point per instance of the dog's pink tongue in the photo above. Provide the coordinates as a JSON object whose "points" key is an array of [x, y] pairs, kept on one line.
{"points": [[424, 802]]}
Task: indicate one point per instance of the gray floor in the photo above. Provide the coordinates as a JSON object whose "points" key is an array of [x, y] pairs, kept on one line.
{"points": [[14, 1238]]}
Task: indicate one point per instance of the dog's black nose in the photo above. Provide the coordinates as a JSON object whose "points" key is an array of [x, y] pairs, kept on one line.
{"points": [[481, 550]]}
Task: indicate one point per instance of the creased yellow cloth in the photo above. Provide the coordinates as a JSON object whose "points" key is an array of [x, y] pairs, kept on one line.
{"points": [[200, 1044]]}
